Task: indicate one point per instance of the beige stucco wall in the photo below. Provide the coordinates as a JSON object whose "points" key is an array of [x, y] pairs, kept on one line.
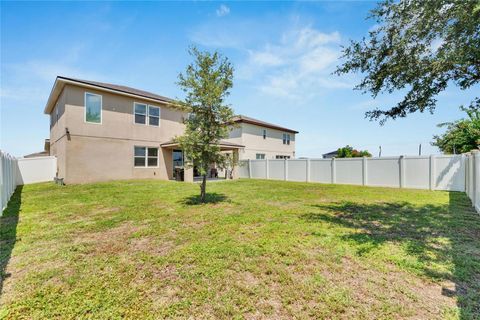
{"points": [[101, 159], [251, 136], [99, 152]]}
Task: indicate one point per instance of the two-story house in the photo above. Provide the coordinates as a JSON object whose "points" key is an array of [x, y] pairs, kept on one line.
{"points": [[101, 131], [262, 140]]}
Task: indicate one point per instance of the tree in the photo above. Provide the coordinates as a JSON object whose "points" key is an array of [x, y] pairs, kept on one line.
{"points": [[349, 152], [419, 47], [206, 83], [462, 135]]}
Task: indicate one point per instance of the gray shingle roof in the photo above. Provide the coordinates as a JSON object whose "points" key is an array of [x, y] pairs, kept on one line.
{"points": [[242, 118], [120, 88]]}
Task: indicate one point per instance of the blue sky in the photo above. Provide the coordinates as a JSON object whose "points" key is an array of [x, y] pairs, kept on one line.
{"points": [[283, 53]]}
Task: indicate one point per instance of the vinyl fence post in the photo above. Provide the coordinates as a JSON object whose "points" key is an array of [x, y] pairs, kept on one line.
{"points": [[364, 171], [1, 183], [267, 169], [307, 178], [401, 172], [475, 167], [286, 169], [250, 168], [334, 171], [432, 172]]}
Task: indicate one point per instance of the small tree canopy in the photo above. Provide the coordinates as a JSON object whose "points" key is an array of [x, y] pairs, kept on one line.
{"points": [[206, 83], [349, 152], [419, 47], [462, 135]]}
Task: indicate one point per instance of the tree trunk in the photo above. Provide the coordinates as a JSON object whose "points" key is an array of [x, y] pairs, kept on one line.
{"points": [[203, 188]]}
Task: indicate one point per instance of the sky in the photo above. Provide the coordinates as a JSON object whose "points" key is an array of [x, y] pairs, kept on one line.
{"points": [[283, 53]]}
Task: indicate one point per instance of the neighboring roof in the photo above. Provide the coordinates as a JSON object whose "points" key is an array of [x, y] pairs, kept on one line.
{"points": [[245, 119], [333, 153], [37, 154], [221, 143], [61, 81]]}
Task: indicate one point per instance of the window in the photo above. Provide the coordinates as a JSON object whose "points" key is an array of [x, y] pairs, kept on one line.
{"points": [[286, 138], [140, 113], [93, 108], [56, 113], [264, 134], [145, 157], [143, 111], [282, 157], [153, 116], [260, 156]]}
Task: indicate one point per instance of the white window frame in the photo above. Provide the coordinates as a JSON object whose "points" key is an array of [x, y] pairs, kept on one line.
{"points": [[286, 138], [147, 116], [146, 157], [85, 107], [146, 113], [260, 158]]}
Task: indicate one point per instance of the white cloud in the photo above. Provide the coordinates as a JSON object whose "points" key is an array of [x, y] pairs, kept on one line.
{"points": [[298, 65], [223, 10]]}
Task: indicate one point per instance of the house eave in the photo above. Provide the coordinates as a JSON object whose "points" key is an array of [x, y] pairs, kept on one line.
{"points": [[60, 83]]}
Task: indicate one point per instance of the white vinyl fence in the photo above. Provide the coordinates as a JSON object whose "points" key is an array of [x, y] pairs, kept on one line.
{"points": [[435, 172], [8, 178], [15, 172], [424, 172], [472, 183]]}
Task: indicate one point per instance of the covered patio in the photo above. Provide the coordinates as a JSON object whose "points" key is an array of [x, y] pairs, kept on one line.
{"points": [[175, 154]]}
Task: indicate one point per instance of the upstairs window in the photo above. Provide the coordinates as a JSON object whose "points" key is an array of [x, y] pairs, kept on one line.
{"points": [[260, 156], [264, 134], [140, 113], [146, 114], [153, 116], [286, 138], [145, 157], [93, 108]]}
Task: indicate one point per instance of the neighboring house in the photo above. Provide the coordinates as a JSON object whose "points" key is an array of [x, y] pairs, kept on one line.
{"points": [[44, 153], [100, 131], [330, 155], [262, 140]]}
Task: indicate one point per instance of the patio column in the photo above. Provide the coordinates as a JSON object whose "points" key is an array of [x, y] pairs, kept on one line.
{"points": [[235, 172], [188, 175]]}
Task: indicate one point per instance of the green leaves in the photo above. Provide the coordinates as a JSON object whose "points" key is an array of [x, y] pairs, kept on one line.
{"points": [[419, 47], [462, 135], [349, 152], [206, 82]]}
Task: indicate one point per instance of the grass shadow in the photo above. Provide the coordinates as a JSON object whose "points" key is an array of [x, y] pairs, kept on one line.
{"points": [[8, 232], [434, 234], [209, 198]]}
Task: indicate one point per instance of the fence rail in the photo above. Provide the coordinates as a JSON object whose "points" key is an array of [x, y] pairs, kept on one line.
{"points": [[20, 171], [435, 172]]}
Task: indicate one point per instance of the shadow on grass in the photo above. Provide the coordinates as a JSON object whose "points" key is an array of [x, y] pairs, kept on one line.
{"points": [[434, 234], [209, 198], [8, 232]]}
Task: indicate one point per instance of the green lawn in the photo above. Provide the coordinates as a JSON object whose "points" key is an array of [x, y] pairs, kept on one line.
{"points": [[259, 249]]}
